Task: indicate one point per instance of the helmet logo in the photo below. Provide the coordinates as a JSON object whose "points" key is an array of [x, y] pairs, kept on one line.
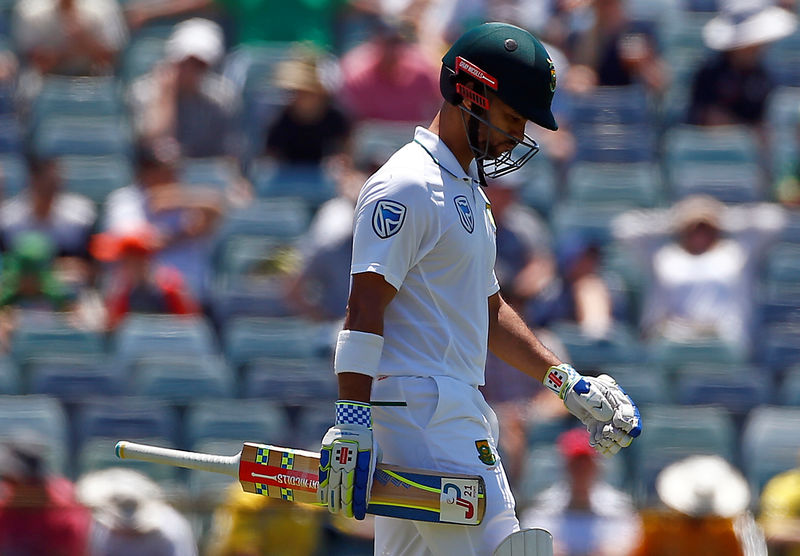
{"points": [[476, 72], [552, 75], [510, 44]]}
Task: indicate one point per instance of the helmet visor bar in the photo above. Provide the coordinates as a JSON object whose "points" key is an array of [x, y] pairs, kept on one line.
{"points": [[509, 161]]}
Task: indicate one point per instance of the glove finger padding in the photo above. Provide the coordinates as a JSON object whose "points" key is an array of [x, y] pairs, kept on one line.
{"points": [[626, 414]]}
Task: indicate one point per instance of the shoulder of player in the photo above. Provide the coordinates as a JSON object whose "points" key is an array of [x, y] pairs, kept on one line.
{"points": [[404, 177]]}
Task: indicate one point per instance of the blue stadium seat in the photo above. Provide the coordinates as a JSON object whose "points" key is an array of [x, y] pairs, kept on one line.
{"points": [[736, 388], [779, 302], [249, 338], [96, 176], [182, 379], [730, 182], [242, 420], [42, 415], [13, 174], [783, 60], [307, 182], [769, 443], [232, 297], [217, 172], [783, 263], [722, 144], [674, 432], [592, 222], [789, 389], [610, 105], [42, 333], [631, 184], [614, 143], [61, 135], [73, 378], [146, 335], [539, 184], [125, 418], [280, 218], [77, 96], [140, 56], [293, 381], [11, 134], [780, 346], [9, 377], [645, 383], [672, 355], [586, 353]]}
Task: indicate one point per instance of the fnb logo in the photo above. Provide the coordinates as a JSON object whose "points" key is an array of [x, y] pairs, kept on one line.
{"points": [[452, 495]]}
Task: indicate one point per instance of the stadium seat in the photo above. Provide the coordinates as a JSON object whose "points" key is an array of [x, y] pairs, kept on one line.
{"points": [[789, 389], [182, 379], [307, 182], [540, 431], [311, 422], [375, 141], [280, 218], [721, 144], [217, 172], [610, 105], [73, 378], [783, 263], [630, 185], [293, 381], [736, 388], [100, 453], [730, 182], [44, 333], [145, 335], [13, 175], [242, 420], [9, 377], [125, 418], [96, 176], [11, 134], [248, 338], [539, 187], [779, 302], [587, 353], [77, 96], [672, 355], [592, 222], [645, 383], [43, 416], [61, 135], [614, 143], [780, 346], [674, 432], [791, 230], [140, 56], [770, 443], [783, 59]]}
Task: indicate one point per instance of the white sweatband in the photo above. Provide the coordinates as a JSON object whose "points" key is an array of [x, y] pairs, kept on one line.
{"points": [[357, 352]]}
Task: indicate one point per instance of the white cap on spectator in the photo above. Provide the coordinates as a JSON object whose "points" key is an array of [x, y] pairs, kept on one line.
{"points": [[195, 38], [743, 23]]}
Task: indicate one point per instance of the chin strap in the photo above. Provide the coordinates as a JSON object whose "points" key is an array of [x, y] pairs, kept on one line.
{"points": [[472, 135]]}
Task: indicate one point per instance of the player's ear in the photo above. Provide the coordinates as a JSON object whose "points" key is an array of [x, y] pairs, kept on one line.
{"points": [[465, 100]]}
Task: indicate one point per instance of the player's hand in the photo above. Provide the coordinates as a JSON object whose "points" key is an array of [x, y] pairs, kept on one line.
{"points": [[608, 413], [347, 460]]}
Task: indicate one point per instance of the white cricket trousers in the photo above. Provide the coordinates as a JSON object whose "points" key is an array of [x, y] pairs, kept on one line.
{"points": [[440, 427]]}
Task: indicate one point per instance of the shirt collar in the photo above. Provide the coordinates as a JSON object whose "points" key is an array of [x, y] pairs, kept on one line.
{"points": [[443, 156]]}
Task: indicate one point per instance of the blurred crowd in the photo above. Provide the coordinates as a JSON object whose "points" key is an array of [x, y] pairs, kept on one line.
{"points": [[177, 185]]}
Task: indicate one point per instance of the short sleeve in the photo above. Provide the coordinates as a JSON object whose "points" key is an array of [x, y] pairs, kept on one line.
{"points": [[396, 223]]}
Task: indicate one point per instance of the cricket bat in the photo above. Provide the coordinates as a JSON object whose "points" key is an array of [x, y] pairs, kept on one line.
{"points": [[292, 475]]}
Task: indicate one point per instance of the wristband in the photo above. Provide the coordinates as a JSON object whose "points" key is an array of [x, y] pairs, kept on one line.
{"points": [[353, 413], [357, 352], [559, 378]]}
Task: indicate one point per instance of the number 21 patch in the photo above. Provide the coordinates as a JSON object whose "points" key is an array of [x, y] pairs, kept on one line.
{"points": [[388, 218]]}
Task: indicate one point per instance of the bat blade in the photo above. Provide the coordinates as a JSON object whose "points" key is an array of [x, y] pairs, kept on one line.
{"points": [[292, 475]]}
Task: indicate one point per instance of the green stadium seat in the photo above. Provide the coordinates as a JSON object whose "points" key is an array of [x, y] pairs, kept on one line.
{"points": [[42, 333], [61, 135], [307, 182], [645, 383], [96, 176], [248, 338], [147, 335], [77, 96], [722, 144], [219, 173], [618, 347], [281, 218], [672, 354], [730, 182], [622, 184], [769, 443]]}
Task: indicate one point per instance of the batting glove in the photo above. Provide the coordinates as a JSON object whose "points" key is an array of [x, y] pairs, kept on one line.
{"points": [[347, 460], [608, 413]]}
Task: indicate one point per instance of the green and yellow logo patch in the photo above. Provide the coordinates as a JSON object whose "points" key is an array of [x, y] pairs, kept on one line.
{"points": [[485, 453], [552, 75]]}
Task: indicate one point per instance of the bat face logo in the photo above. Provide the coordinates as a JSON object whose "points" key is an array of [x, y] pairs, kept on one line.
{"points": [[451, 494], [388, 218], [465, 213]]}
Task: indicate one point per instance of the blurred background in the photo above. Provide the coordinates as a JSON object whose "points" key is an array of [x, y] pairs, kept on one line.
{"points": [[177, 183]]}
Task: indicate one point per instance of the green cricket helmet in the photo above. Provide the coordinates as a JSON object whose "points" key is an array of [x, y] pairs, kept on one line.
{"points": [[508, 62]]}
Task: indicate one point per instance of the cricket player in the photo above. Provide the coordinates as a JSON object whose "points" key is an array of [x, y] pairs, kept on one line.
{"points": [[424, 305]]}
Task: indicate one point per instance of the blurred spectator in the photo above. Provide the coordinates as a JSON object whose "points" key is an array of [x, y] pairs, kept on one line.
{"points": [[615, 51], [780, 513], [389, 78], [67, 218], [39, 513], [139, 13], [67, 37], [732, 86], [27, 279], [131, 516], [135, 286], [185, 217], [587, 516], [707, 500], [702, 262], [184, 100], [247, 525], [524, 264], [320, 288], [310, 127]]}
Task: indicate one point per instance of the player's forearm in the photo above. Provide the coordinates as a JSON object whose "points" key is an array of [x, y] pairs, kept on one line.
{"points": [[511, 340], [355, 387]]}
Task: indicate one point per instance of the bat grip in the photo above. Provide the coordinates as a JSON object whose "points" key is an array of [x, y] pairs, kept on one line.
{"points": [[227, 465]]}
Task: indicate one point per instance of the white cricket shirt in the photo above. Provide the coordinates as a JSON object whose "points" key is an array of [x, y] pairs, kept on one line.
{"points": [[426, 227]]}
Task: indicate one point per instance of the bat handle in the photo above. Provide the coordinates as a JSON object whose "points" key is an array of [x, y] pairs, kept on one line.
{"points": [[227, 465]]}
